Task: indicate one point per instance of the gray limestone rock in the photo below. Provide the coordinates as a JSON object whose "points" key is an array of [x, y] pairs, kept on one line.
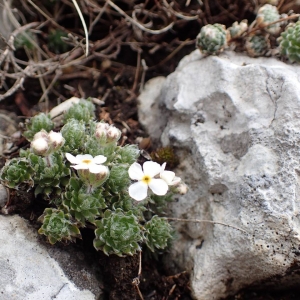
{"points": [[29, 271], [235, 122]]}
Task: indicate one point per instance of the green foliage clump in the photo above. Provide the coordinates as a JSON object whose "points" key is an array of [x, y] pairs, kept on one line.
{"points": [[51, 173], [58, 226], [257, 45], [165, 154], [268, 14], [118, 179], [74, 134], [290, 42], [24, 40], [83, 111], [212, 38], [84, 175], [118, 233], [237, 29], [127, 154], [36, 124], [158, 233], [55, 42], [16, 172], [82, 204], [260, 38]]}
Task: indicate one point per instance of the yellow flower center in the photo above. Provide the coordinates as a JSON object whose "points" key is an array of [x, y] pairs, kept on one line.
{"points": [[87, 161], [146, 179]]}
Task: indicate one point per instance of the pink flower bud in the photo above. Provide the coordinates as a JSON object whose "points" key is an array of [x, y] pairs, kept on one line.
{"points": [[101, 130], [113, 134]]}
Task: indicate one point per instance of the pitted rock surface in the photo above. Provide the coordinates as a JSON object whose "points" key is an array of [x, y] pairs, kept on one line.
{"points": [[235, 122]]}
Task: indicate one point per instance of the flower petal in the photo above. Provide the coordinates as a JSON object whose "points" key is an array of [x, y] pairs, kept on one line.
{"points": [[138, 191], [81, 167], [96, 168], [99, 159], [163, 166], [82, 157], [135, 171], [72, 159], [175, 180], [151, 168], [158, 186], [167, 176]]}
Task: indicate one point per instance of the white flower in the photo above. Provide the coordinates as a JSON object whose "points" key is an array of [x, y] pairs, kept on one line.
{"points": [[145, 177], [168, 176], [87, 161]]}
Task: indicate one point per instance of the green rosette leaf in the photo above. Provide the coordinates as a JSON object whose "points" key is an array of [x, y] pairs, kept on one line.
{"points": [[127, 154], [74, 134], [124, 202], [84, 206], [118, 233], [58, 226], [290, 42], [257, 45], [82, 111], [15, 172], [118, 179], [51, 173], [212, 38], [36, 124], [158, 233]]}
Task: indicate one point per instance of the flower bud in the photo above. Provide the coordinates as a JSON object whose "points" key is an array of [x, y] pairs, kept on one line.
{"points": [[113, 134], [40, 146], [181, 188], [94, 179], [56, 140], [101, 130], [41, 134]]}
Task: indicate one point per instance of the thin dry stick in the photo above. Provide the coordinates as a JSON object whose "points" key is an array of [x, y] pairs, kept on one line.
{"points": [[269, 24], [134, 22], [84, 27], [98, 17], [17, 25], [171, 54], [138, 65], [280, 4], [145, 68], [18, 84], [136, 280], [57, 75], [177, 14], [45, 15], [207, 221]]}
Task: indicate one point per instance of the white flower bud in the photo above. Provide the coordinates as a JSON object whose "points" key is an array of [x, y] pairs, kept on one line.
{"points": [[101, 129], [41, 134], [40, 146], [103, 173], [56, 139], [181, 188], [113, 134], [94, 179]]}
